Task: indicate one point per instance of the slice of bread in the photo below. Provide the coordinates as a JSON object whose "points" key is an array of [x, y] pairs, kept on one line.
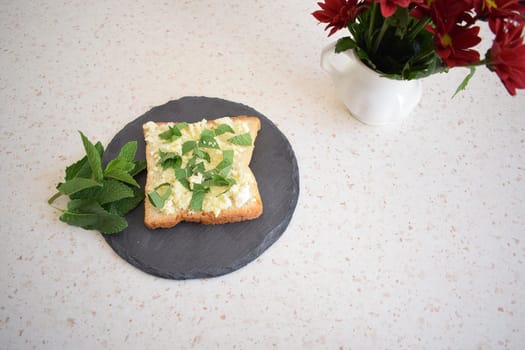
{"points": [[237, 199]]}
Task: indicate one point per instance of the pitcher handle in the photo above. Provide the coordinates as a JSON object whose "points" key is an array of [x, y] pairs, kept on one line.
{"points": [[328, 63]]}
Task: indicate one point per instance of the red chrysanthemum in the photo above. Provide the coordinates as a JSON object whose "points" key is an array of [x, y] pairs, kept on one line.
{"points": [[507, 55], [338, 13], [453, 34], [422, 10], [389, 7], [498, 8]]}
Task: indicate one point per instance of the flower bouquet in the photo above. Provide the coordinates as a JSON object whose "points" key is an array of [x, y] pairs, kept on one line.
{"points": [[404, 39]]}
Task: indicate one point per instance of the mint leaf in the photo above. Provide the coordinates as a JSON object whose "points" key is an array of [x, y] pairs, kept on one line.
{"points": [[99, 198], [242, 140], [112, 191], [173, 132], [119, 164], [111, 223], [139, 165], [223, 128], [218, 180], [128, 151], [82, 168], [75, 168], [224, 167], [197, 197], [169, 160], [94, 158], [198, 168], [90, 215], [207, 139], [125, 205], [157, 199], [86, 221], [121, 175], [188, 146], [181, 125], [202, 155], [77, 184], [180, 175]]}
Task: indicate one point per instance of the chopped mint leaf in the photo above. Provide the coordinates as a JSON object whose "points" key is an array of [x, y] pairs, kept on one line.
{"points": [[224, 167], [173, 132], [207, 139], [197, 197], [202, 155], [157, 199], [242, 140], [188, 146], [218, 180], [182, 125], [181, 176], [223, 128], [169, 160], [160, 194], [198, 168]]}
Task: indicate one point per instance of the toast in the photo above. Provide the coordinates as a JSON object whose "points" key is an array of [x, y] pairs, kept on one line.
{"points": [[199, 172]]}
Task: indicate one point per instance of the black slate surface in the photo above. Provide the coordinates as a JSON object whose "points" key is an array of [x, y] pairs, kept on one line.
{"points": [[191, 250]]}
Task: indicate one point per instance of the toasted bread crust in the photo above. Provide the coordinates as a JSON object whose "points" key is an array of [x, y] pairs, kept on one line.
{"points": [[153, 218]]}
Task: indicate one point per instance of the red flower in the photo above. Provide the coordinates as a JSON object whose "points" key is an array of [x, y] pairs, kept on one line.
{"points": [[498, 8], [338, 13], [507, 55], [389, 7], [422, 10], [453, 33]]}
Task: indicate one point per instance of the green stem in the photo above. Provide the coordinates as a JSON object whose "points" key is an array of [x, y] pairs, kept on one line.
{"points": [[418, 28], [54, 198], [382, 32], [371, 24], [482, 62]]}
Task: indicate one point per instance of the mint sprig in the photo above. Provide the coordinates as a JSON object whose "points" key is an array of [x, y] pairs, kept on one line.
{"points": [[100, 197]]}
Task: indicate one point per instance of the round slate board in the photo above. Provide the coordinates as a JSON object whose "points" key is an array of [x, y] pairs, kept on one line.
{"points": [[191, 250]]}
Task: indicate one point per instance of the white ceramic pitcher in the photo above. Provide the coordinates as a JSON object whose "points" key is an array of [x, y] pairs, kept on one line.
{"points": [[370, 98]]}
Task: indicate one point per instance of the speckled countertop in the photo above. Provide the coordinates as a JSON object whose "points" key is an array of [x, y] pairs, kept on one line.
{"points": [[410, 236]]}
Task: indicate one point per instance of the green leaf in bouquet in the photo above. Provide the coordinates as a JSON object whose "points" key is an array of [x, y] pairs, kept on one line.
{"points": [[465, 81], [344, 44]]}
